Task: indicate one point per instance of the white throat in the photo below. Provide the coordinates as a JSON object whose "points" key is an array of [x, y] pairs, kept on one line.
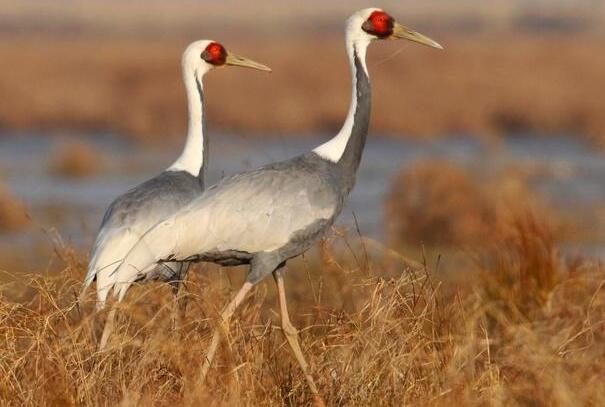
{"points": [[357, 44], [192, 157]]}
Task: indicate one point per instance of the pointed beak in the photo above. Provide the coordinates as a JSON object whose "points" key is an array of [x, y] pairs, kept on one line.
{"points": [[236, 60], [404, 33]]}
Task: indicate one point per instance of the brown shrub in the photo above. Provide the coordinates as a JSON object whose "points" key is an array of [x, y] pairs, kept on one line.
{"points": [[521, 269], [440, 203], [437, 203], [75, 159], [13, 213]]}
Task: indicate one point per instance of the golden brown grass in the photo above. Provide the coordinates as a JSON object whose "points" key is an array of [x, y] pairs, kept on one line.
{"points": [[75, 159], [485, 83], [526, 327], [13, 213]]}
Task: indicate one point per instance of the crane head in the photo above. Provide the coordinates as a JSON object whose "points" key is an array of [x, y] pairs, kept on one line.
{"points": [[376, 24], [205, 55]]}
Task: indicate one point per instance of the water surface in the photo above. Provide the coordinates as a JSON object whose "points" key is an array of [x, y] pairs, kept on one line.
{"points": [[571, 174]]}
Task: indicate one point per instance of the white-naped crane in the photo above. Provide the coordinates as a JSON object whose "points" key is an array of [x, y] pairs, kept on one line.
{"points": [[266, 216], [133, 213]]}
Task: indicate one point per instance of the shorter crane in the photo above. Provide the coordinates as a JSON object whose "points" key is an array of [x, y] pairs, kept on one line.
{"points": [[130, 215]]}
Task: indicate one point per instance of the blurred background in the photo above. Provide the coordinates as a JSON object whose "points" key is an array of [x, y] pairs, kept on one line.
{"points": [[508, 121]]}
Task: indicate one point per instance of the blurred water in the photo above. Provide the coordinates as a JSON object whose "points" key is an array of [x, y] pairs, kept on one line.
{"points": [[569, 174]]}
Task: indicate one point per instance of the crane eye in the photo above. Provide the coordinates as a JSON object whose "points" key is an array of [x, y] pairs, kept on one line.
{"points": [[379, 24], [214, 54]]}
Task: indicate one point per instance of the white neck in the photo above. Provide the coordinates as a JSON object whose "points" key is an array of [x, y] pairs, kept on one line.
{"points": [[192, 157], [332, 150]]}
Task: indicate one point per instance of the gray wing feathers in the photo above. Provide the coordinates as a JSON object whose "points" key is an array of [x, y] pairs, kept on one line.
{"points": [[258, 211]]}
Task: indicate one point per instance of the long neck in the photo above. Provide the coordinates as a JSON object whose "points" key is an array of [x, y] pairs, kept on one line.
{"points": [[346, 148], [193, 159]]}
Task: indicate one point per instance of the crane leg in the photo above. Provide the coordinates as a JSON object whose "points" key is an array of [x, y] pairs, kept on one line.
{"points": [[291, 334], [180, 300], [111, 316], [223, 328], [108, 328]]}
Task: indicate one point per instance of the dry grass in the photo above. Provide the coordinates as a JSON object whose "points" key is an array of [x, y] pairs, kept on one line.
{"points": [[526, 328], [74, 159], [484, 83], [13, 213]]}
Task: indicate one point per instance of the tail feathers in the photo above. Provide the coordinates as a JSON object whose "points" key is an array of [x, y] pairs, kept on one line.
{"points": [[140, 257], [90, 276], [85, 285], [93, 273], [110, 249], [140, 260]]}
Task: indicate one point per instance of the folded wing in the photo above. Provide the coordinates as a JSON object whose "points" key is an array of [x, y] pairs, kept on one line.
{"points": [[253, 212]]}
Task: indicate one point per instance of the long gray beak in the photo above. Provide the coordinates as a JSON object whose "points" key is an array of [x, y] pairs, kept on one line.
{"points": [[236, 60], [404, 33]]}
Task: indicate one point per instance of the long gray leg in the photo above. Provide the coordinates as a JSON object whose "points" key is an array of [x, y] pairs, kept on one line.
{"points": [[291, 334]]}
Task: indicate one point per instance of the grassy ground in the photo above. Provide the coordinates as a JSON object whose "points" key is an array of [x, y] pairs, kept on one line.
{"points": [[519, 325]]}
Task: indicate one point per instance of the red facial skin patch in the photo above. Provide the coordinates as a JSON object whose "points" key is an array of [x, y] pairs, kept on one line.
{"points": [[379, 24], [214, 54]]}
